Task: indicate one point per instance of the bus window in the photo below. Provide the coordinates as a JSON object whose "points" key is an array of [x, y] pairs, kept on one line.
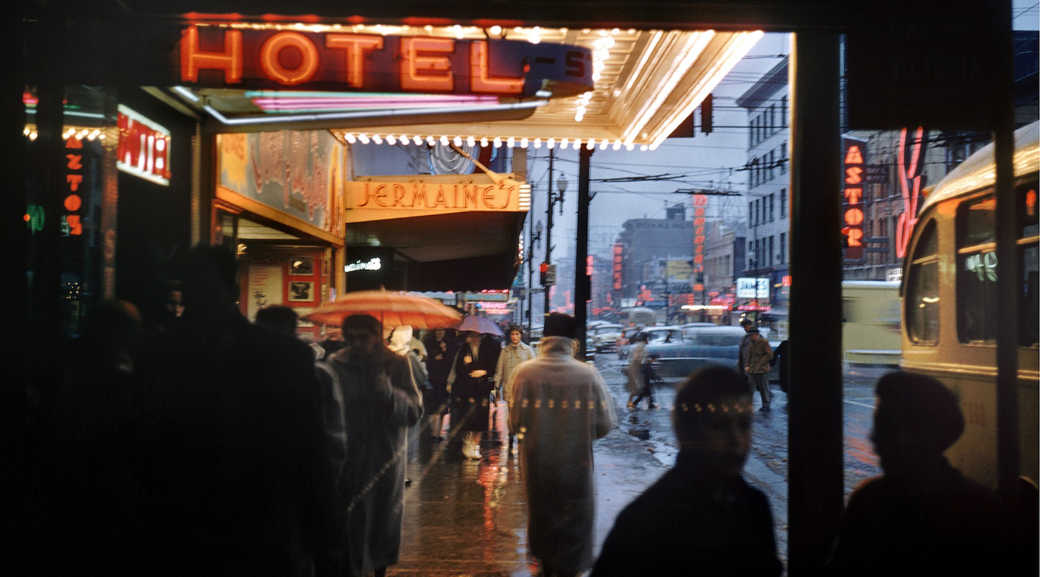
{"points": [[1029, 260], [977, 271], [922, 293]]}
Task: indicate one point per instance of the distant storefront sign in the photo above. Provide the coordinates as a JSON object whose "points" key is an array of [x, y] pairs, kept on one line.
{"points": [[752, 288], [144, 147]]}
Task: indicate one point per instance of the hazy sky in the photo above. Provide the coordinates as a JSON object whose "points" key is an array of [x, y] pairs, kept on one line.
{"points": [[705, 161]]}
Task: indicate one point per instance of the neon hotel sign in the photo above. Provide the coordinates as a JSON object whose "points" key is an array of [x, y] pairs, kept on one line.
{"points": [[227, 57]]}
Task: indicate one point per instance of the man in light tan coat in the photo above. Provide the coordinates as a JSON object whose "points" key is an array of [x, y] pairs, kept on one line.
{"points": [[560, 405], [757, 368]]}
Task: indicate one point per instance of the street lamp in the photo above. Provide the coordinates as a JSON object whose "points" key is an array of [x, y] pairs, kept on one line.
{"points": [[553, 199]]}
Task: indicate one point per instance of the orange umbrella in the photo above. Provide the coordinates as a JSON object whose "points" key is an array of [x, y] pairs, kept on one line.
{"points": [[393, 309]]}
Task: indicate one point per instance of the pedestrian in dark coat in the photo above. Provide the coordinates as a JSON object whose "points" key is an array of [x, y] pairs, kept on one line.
{"points": [[780, 357], [922, 517], [471, 381], [239, 481], [560, 405], [701, 517], [382, 401], [441, 346], [89, 452]]}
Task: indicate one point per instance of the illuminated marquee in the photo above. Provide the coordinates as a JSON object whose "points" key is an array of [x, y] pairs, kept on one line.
{"points": [[241, 58], [144, 147], [853, 211]]}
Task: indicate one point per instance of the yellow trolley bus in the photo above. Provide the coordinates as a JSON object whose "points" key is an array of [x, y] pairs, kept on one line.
{"points": [[949, 319]]}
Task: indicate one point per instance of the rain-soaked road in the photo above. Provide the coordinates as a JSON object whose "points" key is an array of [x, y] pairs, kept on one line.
{"points": [[467, 518]]}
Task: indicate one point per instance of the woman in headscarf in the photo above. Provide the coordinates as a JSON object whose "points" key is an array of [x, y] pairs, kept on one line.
{"points": [[470, 383]]}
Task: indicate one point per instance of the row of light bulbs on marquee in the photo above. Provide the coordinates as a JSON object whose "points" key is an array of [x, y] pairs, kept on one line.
{"points": [[497, 142], [70, 132]]}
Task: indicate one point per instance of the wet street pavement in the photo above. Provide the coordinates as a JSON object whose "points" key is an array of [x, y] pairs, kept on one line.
{"points": [[468, 518]]}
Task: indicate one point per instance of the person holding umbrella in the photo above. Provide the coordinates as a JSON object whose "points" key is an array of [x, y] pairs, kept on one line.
{"points": [[471, 381]]}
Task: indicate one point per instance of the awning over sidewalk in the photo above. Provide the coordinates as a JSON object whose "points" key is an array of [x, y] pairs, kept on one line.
{"points": [[460, 251]]}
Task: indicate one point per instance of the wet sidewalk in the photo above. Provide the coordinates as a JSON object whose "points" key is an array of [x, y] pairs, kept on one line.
{"points": [[469, 518]]}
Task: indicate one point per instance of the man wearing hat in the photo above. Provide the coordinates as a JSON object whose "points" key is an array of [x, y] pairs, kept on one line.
{"points": [[758, 355], [747, 324], [559, 406], [922, 516]]}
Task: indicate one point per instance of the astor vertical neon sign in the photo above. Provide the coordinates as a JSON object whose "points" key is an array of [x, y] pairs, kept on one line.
{"points": [[853, 211], [71, 225]]}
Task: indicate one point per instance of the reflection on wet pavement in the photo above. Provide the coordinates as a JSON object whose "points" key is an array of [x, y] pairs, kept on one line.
{"points": [[468, 518]]}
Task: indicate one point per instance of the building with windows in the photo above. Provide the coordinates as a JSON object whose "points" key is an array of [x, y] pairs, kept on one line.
{"points": [[656, 256], [768, 211]]}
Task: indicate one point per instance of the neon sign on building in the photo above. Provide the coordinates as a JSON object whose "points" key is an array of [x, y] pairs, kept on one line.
{"points": [[853, 211], [144, 147], [212, 56]]}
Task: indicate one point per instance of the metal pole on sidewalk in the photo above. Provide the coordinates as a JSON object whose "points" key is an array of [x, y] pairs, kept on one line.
{"points": [[816, 484], [548, 227], [582, 282]]}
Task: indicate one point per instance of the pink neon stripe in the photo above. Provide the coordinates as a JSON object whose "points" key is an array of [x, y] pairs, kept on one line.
{"points": [[313, 103]]}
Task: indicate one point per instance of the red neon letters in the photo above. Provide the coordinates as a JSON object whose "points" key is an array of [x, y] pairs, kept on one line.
{"points": [[423, 64]]}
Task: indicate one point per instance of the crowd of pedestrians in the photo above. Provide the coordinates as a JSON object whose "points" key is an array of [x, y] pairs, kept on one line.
{"points": [[189, 441]]}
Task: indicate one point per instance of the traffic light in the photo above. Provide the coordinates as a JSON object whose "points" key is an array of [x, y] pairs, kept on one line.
{"points": [[542, 269], [706, 115]]}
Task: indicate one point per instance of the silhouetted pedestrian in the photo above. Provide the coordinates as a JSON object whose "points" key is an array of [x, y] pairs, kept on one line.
{"points": [[283, 320], [780, 357], [441, 346], [922, 517], [239, 480], [382, 401], [471, 381], [90, 484], [560, 406], [701, 517]]}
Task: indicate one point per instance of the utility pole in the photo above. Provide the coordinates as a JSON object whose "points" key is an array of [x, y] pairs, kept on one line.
{"points": [[582, 281], [553, 199], [534, 236], [548, 229]]}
